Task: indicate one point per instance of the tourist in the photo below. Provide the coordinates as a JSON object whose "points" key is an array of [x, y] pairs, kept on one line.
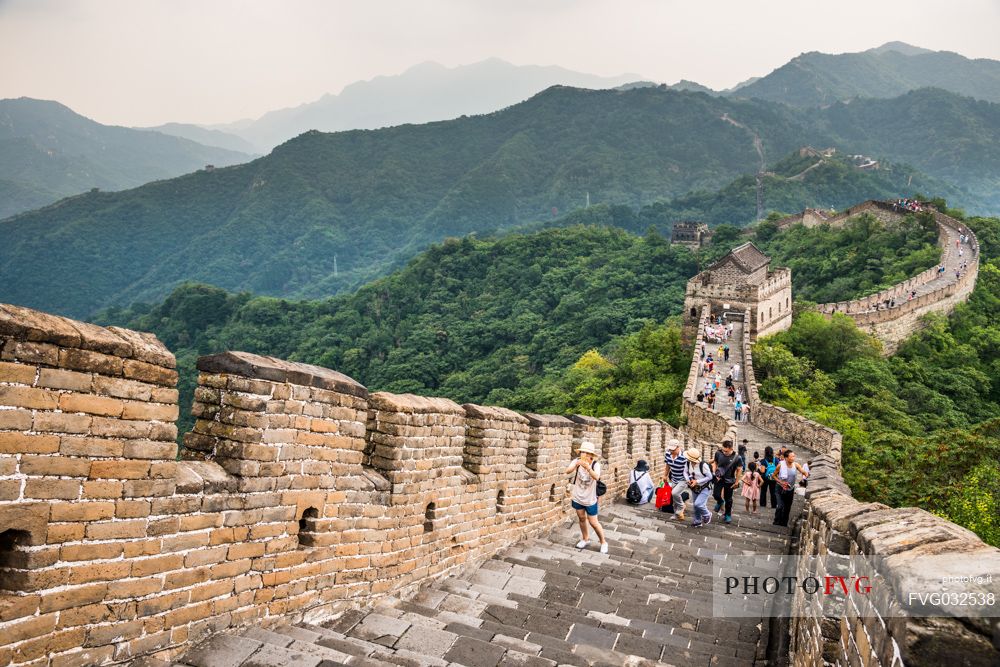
{"points": [[784, 475], [640, 477], [725, 466], [742, 451], [699, 481], [674, 475], [770, 463], [701, 396], [725, 352], [751, 488], [586, 471], [737, 410], [746, 412], [736, 372]]}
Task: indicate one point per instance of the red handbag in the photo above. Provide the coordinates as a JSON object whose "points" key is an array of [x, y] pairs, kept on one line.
{"points": [[663, 496]]}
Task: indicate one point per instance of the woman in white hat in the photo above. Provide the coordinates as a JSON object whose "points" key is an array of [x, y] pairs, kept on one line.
{"points": [[586, 470], [699, 481]]}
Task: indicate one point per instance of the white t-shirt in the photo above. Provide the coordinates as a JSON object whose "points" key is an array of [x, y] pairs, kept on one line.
{"points": [[584, 486]]}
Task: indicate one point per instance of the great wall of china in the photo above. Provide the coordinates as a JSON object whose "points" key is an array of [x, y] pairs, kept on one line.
{"points": [[310, 522]]}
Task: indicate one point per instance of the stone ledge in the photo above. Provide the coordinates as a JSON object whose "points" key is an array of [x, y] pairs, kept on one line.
{"points": [[278, 370], [31, 325], [411, 403], [549, 421], [587, 420], [493, 412]]}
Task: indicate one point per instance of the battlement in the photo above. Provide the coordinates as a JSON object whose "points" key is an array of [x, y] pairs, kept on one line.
{"points": [[298, 494], [894, 314]]}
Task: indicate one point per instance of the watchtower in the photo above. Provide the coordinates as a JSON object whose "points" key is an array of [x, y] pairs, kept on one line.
{"points": [[739, 281]]}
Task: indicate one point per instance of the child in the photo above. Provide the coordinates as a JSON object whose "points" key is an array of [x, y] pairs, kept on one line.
{"points": [[751, 487]]}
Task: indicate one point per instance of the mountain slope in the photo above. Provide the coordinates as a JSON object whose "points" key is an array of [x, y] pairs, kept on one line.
{"points": [[327, 212], [205, 136], [818, 79], [424, 93], [47, 151]]}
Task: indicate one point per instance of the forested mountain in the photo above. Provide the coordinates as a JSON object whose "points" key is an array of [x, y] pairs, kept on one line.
{"points": [[327, 212], [817, 79], [424, 93], [487, 319], [48, 152]]}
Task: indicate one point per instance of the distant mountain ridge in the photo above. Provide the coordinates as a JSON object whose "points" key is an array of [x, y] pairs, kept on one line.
{"points": [[47, 151], [820, 79], [205, 136], [424, 93]]}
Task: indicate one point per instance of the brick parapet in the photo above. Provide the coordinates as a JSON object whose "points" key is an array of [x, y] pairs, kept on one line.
{"points": [[299, 494], [914, 551]]}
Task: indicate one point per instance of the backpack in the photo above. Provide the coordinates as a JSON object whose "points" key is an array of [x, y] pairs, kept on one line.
{"points": [[771, 467], [633, 494]]}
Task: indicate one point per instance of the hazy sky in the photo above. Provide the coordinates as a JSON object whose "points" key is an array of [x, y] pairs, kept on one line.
{"points": [[145, 62]]}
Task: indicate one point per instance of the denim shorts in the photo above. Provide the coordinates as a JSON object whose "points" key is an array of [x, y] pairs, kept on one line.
{"points": [[591, 510]]}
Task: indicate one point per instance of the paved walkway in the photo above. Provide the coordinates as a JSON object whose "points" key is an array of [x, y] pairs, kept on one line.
{"points": [[757, 438], [544, 603], [950, 258]]}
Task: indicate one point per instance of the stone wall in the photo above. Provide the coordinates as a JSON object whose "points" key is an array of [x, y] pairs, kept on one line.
{"points": [[835, 523], [892, 325], [299, 493], [787, 425]]}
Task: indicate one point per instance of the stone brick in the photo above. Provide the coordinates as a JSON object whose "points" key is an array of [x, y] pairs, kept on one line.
{"points": [[122, 388], [66, 489], [102, 489], [106, 551], [15, 373], [134, 588], [18, 606], [144, 372], [117, 530], [150, 411], [157, 564], [30, 352], [109, 427], [99, 572], [72, 597], [27, 629], [94, 405], [57, 378], [28, 397], [15, 420], [144, 488], [95, 447], [64, 532], [10, 489], [56, 466], [79, 511], [61, 422], [119, 469], [24, 443], [147, 449], [90, 362]]}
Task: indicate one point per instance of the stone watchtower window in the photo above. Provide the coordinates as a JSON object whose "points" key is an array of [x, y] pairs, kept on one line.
{"points": [[13, 559], [501, 501], [429, 516], [307, 527]]}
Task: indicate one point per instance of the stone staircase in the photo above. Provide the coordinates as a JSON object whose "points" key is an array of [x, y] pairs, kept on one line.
{"points": [[543, 603]]}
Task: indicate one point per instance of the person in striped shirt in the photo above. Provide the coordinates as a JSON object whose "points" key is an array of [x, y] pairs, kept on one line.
{"points": [[673, 473]]}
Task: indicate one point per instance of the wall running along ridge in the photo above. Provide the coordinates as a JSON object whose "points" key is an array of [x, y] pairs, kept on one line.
{"points": [[300, 494], [893, 325]]}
